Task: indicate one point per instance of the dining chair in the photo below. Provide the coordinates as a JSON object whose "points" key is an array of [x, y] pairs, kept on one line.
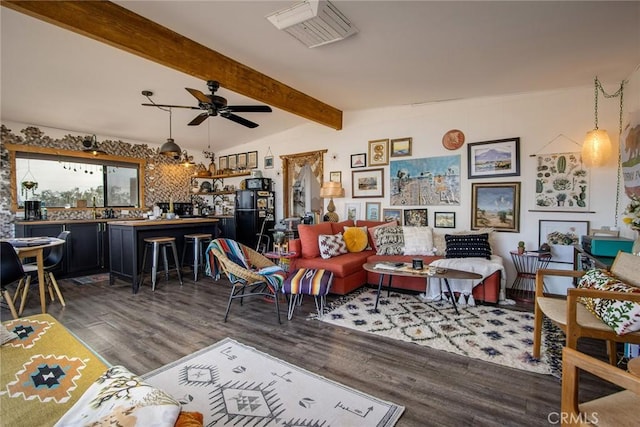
{"points": [[11, 271]]}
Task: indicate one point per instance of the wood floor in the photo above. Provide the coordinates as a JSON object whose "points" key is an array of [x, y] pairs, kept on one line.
{"points": [[150, 329]]}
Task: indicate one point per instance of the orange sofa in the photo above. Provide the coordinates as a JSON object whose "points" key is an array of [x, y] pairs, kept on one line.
{"points": [[347, 268]]}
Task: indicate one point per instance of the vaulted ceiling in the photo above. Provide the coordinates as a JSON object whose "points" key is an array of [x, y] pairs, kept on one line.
{"points": [[404, 53]]}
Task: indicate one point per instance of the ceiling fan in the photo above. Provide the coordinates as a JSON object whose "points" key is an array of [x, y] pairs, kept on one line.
{"points": [[214, 105]]}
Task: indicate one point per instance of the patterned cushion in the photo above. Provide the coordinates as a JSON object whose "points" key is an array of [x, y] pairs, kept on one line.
{"points": [[418, 240], [389, 240], [331, 245], [372, 231], [468, 246], [307, 281], [356, 238], [622, 316]]}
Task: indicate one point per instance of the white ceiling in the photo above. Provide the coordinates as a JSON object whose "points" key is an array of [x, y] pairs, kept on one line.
{"points": [[405, 52]]}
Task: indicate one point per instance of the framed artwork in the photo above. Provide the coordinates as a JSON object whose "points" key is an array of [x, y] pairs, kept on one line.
{"points": [[496, 205], [268, 162], [252, 160], [444, 220], [232, 161], [562, 183], [561, 235], [352, 211], [489, 159], [401, 147], [222, 163], [359, 160], [241, 162], [389, 215], [372, 210], [367, 183], [335, 176], [416, 217], [425, 181], [379, 152]]}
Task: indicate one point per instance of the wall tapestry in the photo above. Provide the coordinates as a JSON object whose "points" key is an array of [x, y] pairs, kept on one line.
{"points": [[630, 155], [427, 181], [562, 183]]}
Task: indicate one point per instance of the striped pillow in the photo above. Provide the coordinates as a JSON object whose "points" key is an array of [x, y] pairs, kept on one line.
{"points": [[468, 246]]}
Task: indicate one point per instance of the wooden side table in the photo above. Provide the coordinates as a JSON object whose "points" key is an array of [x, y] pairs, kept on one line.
{"points": [[527, 265]]}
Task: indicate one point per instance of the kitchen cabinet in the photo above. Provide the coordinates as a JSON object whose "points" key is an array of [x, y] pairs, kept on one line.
{"points": [[227, 226]]}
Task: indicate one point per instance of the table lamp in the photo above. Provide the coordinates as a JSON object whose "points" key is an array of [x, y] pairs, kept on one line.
{"points": [[331, 189]]}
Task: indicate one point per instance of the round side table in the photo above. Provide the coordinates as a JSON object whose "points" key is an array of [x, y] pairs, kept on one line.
{"points": [[281, 258], [527, 264]]}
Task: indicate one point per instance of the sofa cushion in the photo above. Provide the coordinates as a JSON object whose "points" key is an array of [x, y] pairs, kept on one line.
{"points": [[341, 266], [418, 240], [389, 240], [440, 245], [468, 246], [338, 227], [356, 238], [371, 229], [309, 238], [622, 316], [331, 245]]}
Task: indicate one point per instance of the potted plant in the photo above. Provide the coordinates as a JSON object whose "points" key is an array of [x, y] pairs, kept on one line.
{"points": [[520, 247]]}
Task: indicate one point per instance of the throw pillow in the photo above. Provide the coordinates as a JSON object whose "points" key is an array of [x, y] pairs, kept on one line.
{"points": [[622, 316], [418, 240], [309, 238], [372, 230], [468, 246], [331, 245], [356, 238], [389, 240]]}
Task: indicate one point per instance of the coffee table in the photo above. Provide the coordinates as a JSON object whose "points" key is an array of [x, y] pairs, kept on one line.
{"points": [[407, 271]]}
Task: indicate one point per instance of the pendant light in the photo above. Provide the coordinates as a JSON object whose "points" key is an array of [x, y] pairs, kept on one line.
{"points": [[170, 148], [90, 144]]}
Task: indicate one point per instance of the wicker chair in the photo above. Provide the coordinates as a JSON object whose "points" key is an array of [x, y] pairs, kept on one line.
{"points": [[246, 282]]}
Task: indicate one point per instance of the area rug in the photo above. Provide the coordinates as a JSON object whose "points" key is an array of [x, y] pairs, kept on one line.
{"points": [[233, 384], [87, 280], [491, 333]]}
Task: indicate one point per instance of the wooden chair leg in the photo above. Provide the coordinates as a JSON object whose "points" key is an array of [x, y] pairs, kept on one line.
{"points": [[7, 297], [49, 286], [25, 293], [56, 288], [18, 290], [537, 331], [613, 352]]}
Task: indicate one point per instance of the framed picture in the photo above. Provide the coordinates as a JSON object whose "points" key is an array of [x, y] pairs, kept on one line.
{"points": [[252, 160], [268, 162], [401, 147], [358, 160], [335, 176], [488, 159], [372, 210], [444, 220], [232, 161], [496, 205], [379, 152], [562, 183], [367, 183], [561, 235], [416, 217], [242, 161], [389, 215], [352, 211], [222, 162]]}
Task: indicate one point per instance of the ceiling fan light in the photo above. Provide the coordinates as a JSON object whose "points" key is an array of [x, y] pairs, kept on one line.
{"points": [[596, 148], [170, 148]]}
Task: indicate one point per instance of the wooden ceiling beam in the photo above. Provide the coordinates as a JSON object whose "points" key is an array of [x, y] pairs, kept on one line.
{"points": [[116, 26]]}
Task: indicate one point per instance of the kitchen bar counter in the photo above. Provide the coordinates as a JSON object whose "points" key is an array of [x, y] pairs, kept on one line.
{"points": [[76, 221], [126, 242]]}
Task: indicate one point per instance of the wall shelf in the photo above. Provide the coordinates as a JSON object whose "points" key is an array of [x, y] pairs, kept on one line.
{"points": [[230, 175]]}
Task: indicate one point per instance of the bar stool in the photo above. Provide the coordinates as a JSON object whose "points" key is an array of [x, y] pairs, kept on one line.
{"points": [[197, 240], [156, 243]]}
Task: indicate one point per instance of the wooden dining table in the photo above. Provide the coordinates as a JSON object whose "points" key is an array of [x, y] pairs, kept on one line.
{"points": [[34, 247]]}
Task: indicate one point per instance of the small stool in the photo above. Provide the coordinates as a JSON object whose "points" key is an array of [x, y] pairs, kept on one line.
{"points": [[307, 281], [156, 243], [198, 250]]}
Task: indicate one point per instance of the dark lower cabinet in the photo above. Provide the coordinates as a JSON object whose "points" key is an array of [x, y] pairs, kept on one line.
{"points": [[227, 226]]}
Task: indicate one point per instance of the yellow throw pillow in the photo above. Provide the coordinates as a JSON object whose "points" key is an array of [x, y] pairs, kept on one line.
{"points": [[356, 238]]}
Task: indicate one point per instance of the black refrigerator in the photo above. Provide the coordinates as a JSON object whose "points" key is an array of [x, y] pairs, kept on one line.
{"points": [[253, 209]]}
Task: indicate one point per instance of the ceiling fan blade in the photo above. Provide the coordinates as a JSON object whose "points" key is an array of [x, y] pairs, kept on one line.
{"points": [[249, 108], [240, 120], [199, 95], [199, 119], [171, 106]]}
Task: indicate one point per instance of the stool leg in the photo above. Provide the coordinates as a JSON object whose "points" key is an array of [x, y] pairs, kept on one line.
{"points": [[166, 262], [175, 259], [144, 262], [292, 305], [154, 266], [184, 250], [196, 256]]}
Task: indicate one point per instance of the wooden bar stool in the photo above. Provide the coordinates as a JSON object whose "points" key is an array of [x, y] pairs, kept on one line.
{"points": [[157, 243], [199, 243]]}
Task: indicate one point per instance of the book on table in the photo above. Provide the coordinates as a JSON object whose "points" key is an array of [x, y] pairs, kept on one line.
{"points": [[389, 265]]}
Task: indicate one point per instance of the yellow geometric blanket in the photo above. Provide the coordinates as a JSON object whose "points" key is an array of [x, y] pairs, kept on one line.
{"points": [[43, 372]]}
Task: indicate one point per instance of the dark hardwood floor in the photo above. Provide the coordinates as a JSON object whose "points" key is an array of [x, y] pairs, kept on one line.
{"points": [[150, 329]]}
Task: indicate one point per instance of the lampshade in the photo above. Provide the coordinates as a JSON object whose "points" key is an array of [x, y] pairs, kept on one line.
{"points": [[596, 148], [331, 189], [90, 144], [170, 148]]}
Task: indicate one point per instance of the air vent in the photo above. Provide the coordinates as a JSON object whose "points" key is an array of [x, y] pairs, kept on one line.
{"points": [[313, 22]]}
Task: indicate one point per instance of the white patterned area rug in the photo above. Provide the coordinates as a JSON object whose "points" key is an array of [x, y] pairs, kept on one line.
{"points": [[233, 384], [490, 333]]}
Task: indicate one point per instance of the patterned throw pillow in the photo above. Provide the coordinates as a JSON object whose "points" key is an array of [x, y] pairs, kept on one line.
{"points": [[389, 240], [622, 316], [468, 246], [356, 238], [331, 245], [418, 240]]}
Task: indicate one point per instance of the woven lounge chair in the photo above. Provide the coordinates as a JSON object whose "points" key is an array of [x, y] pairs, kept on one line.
{"points": [[250, 273]]}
